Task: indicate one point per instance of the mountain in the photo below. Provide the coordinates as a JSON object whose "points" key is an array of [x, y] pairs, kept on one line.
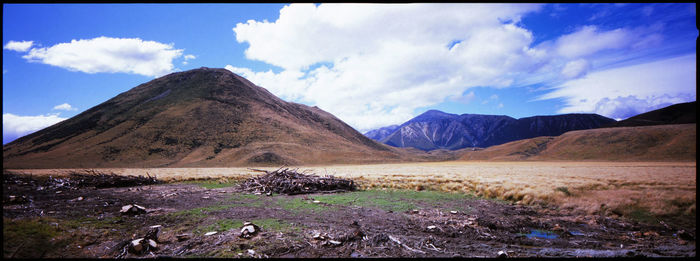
{"points": [[381, 133], [439, 130], [202, 117], [675, 142], [675, 114]]}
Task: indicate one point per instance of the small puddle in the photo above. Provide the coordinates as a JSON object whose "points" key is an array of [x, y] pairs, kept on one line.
{"points": [[541, 234]]}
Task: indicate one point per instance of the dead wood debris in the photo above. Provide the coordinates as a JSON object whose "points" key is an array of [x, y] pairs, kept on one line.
{"points": [[111, 180], [291, 182]]}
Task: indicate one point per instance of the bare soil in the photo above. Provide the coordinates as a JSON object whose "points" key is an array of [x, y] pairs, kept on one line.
{"points": [[68, 222]]}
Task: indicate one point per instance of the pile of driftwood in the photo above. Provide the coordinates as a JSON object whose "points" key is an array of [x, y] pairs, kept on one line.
{"points": [[97, 179], [291, 182]]}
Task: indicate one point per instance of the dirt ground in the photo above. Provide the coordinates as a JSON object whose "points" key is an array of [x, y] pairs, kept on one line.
{"points": [[49, 220]]}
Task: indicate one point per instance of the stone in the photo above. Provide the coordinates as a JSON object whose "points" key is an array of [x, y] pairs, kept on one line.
{"points": [[182, 237], [152, 244], [334, 242], [316, 201], [210, 233], [137, 246], [502, 254], [249, 230], [132, 210], [432, 227], [153, 232], [453, 212]]}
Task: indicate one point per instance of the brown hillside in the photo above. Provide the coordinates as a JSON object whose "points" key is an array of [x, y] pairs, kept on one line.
{"points": [[645, 143], [204, 118]]}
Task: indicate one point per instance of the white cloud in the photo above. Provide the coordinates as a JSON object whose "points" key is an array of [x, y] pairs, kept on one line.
{"points": [[64, 107], [589, 40], [15, 126], [575, 69], [187, 58], [466, 98], [22, 46], [626, 91], [110, 55], [346, 58]]}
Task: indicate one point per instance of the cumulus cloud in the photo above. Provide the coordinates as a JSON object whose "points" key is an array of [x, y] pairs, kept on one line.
{"points": [[15, 126], [111, 55], [64, 107], [374, 65], [338, 57], [187, 58], [626, 91], [22, 46]]}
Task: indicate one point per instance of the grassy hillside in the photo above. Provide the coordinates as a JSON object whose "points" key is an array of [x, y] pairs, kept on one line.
{"points": [[645, 143]]}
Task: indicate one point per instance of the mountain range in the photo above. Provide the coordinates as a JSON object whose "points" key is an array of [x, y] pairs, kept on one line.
{"points": [[439, 130]]}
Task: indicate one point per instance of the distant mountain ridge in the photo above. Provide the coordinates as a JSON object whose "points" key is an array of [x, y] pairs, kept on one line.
{"points": [[435, 129], [680, 113]]}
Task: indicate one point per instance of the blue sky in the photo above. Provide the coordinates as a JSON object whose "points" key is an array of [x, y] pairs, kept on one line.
{"points": [[370, 65]]}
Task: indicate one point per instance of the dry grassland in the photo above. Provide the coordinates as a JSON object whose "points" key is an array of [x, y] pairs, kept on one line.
{"points": [[617, 188]]}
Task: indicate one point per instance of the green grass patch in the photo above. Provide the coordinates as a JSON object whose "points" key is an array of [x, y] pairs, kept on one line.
{"points": [[268, 224], [219, 226], [391, 200], [29, 238], [299, 205], [211, 184]]}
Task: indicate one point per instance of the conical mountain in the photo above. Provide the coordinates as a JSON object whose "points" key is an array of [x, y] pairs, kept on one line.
{"points": [[201, 117]]}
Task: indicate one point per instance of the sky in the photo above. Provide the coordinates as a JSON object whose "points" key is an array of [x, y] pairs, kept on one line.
{"points": [[371, 65]]}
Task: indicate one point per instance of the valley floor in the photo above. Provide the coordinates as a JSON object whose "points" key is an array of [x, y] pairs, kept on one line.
{"points": [[439, 209]]}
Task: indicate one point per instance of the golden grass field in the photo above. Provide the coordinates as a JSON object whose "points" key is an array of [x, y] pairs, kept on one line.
{"points": [[617, 188]]}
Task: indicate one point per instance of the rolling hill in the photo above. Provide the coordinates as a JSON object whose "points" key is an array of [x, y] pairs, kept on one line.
{"points": [[680, 113], [203, 117], [676, 142]]}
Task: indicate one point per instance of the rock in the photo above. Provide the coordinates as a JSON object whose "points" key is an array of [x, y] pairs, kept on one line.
{"points": [[502, 254], [334, 242], [136, 246], [251, 252], [152, 244], [316, 201], [182, 237], [153, 232], [132, 210], [651, 234], [453, 212], [205, 197], [557, 228], [414, 211], [432, 227], [685, 235], [79, 199], [249, 230], [210, 233]]}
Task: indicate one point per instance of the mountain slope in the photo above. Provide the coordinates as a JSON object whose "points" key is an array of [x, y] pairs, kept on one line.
{"points": [[680, 113], [381, 133], [201, 117], [438, 130], [644, 143]]}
